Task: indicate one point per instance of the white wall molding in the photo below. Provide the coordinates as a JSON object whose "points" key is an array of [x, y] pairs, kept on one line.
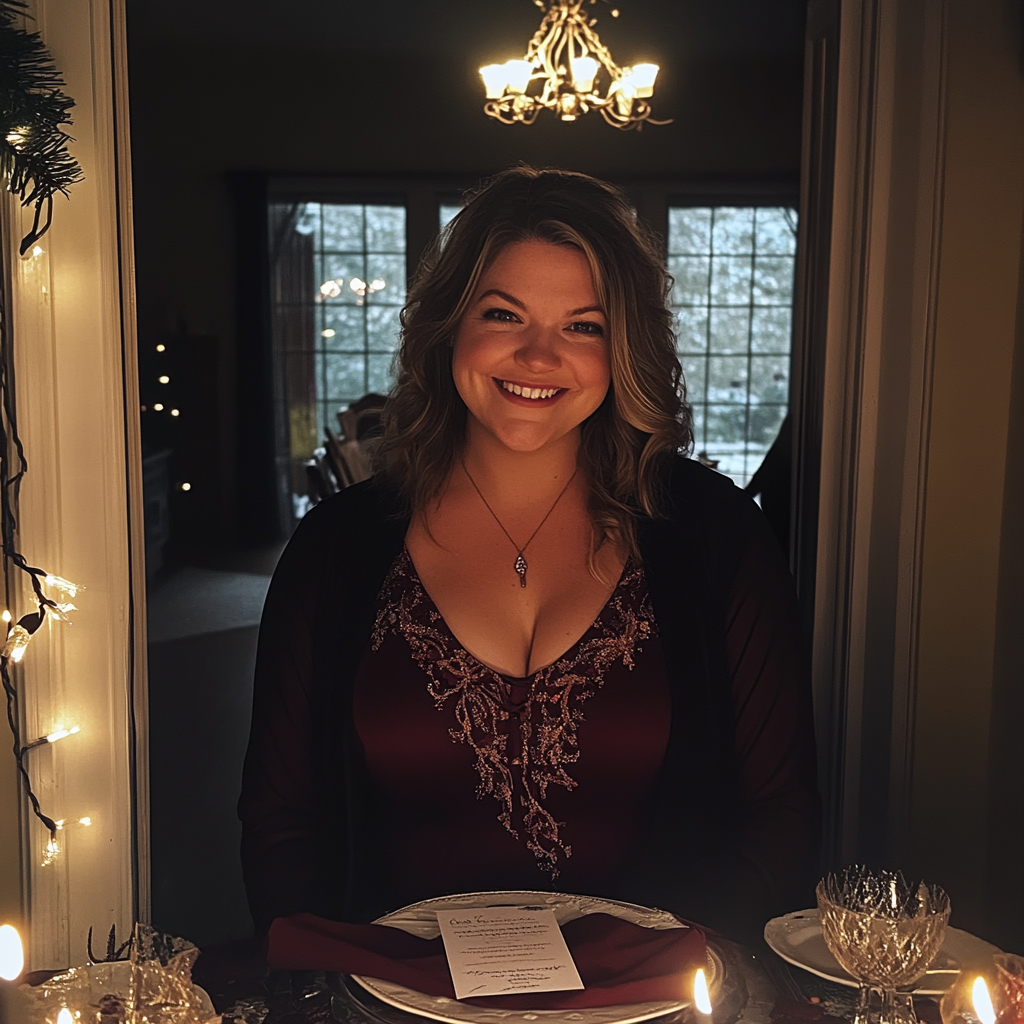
{"points": [[81, 507]]}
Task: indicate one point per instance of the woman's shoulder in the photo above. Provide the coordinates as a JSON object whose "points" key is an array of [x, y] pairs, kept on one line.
{"points": [[694, 487], [353, 523]]}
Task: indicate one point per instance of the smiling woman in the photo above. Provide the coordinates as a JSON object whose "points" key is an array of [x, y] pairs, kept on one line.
{"points": [[563, 655]]}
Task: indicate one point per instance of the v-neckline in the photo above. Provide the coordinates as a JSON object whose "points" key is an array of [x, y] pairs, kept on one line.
{"points": [[527, 679]]}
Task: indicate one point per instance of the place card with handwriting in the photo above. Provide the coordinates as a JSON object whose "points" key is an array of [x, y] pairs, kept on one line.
{"points": [[496, 951]]}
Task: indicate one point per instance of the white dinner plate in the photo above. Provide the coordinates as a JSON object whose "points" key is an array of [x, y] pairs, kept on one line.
{"points": [[421, 919], [797, 939]]}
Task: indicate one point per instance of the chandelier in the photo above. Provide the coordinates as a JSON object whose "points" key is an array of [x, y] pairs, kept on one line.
{"points": [[561, 71]]}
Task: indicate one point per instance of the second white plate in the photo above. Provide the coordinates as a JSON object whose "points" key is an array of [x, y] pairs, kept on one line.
{"points": [[421, 919], [797, 939]]}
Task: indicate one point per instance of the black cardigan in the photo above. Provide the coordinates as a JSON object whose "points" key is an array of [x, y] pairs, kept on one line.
{"points": [[733, 838]]}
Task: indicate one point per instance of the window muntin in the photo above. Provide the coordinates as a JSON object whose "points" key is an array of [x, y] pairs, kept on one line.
{"points": [[359, 252], [733, 303]]}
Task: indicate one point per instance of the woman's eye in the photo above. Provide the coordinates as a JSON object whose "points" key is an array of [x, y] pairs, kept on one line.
{"points": [[501, 315], [587, 327]]}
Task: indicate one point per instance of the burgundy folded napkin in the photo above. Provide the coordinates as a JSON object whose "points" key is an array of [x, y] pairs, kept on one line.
{"points": [[618, 962]]}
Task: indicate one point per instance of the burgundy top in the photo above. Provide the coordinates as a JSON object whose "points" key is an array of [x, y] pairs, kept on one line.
{"points": [[349, 820], [497, 782]]}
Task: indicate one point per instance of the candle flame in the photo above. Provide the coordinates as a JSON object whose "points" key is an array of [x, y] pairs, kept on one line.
{"points": [[12, 957], [982, 1002], [701, 999], [64, 1017]]}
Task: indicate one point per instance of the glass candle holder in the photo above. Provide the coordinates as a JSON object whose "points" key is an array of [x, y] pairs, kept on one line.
{"points": [[884, 933]]}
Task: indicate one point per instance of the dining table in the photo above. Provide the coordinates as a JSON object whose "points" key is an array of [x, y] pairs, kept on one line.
{"points": [[758, 987]]}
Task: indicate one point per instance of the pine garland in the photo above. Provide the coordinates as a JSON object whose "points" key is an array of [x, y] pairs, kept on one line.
{"points": [[34, 157]]}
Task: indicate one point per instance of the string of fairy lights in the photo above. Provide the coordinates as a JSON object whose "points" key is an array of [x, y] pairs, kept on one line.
{"points": [[35, 164]]}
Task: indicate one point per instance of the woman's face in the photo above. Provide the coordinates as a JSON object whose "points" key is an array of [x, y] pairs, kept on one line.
{"points": [[531, 351]]}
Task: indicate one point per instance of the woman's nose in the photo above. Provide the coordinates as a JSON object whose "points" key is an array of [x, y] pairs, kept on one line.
{"points": [[539, 348]]}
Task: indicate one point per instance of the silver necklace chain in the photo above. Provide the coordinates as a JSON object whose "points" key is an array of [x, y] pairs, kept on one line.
{"points": [[520, 562]]}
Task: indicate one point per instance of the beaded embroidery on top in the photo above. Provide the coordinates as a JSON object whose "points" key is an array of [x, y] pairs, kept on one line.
{"points": [[483, 702]]}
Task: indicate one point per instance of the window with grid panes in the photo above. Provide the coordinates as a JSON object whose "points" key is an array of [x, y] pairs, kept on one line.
{"points": [[733, 302], [359, 276]]}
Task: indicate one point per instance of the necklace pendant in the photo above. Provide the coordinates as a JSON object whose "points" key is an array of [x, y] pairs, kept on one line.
{"points": [[521, 569]]}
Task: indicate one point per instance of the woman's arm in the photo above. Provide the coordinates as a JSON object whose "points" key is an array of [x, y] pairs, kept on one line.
{"points": [[778, 832], [285, 834]]}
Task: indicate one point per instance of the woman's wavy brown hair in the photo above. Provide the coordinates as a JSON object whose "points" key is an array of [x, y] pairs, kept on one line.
{"points": [[643, 420]]}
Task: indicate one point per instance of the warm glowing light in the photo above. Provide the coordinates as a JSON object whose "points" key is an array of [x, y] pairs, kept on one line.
{"points": [[378, 284], [519, 73], [161, 348], [642, 77], [62, 584], [12, 956], [329, 333], [175, 412], [495, 78], [51, 851], [6, 616], [560, 72], [982, 1002], [64, 1017], [17, 137], [584, 71], [331, 289], [358, 286], [164, 379], [701, 999], [17, 641], [186, 487], [158, 407], [624, 94], [37, 250], [86, 821], [60, 732]]}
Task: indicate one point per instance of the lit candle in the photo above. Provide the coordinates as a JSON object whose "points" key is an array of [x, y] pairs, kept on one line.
{"points": [[65, 1017], [12, 957], [701, 998], [12, 963], [982, 1002]]}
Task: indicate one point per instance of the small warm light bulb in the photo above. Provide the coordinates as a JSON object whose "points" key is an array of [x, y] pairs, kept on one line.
{"points": [[643, 77], [164, 379], [329, 333], [519, 73], [378, 284], [64, 1017], [701, 998], [161, 348], [6, 616], [495, 78], [584, 71], [982, 1001], [37, 250], [87, 821], [358, 286], [175, 412], [60, 732], [186, 487], [51, 851], [12, 956], [331, 289], [158, 407]]}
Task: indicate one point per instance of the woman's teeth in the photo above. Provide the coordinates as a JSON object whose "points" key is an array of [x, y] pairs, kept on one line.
{"points": [[530, 392]]}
